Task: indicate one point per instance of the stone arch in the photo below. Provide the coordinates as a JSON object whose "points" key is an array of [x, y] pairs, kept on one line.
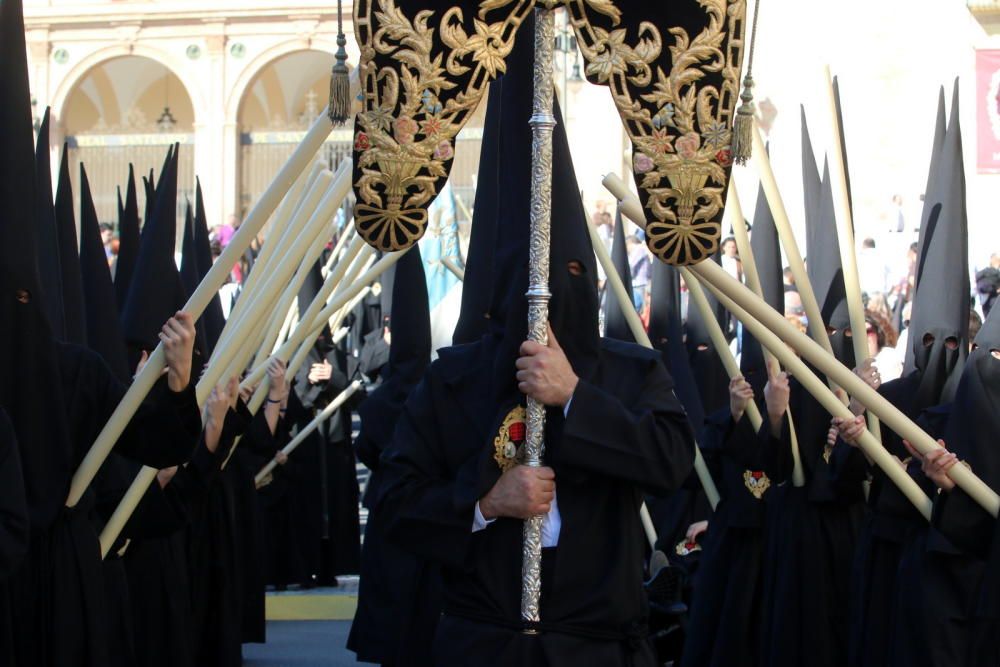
{"points": [[248, 75], [79, 71]]}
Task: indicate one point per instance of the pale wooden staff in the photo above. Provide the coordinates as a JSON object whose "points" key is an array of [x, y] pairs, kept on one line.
{"points": [[356, 253], [236, 353], [845, 239], [255, 295], [871, 447], [738, 223], [845, 377], [278, 229], [450, 264], [325, 414], [209, 287], [641, 337]]}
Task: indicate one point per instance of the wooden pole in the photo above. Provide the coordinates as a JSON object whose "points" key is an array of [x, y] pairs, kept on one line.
{"points": [[209, 287], [450, 264], [641, 337], [845, 239], [325, 414], [753, 281], [737, 294], [765, 334]]}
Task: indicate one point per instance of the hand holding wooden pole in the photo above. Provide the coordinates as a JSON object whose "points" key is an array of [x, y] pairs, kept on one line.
{"points": [[872, 447], [845, 239], [209, 287]]}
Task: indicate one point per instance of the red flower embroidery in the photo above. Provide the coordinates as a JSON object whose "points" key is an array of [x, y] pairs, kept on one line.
{"points": [[362, 142], [724, 157]]}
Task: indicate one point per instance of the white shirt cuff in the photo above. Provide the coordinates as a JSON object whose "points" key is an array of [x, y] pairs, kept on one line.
{"points": [[566, 407], [479, 522]]}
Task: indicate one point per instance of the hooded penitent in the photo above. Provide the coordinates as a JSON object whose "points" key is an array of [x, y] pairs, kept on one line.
{"points": [[709, 373], [104, 334], [666, 333], [69, 257], [212, 318], [823, 253], [615, 324], [27, 391], [573, 308], [47, 234], [767, 258], [128, 241], [473, 321], [939, 326], [156, 292]]}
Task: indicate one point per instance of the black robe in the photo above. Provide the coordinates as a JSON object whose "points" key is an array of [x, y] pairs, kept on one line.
{"points": [[811, 535], [13, 529], [399, 594], [215, 563], [940, 574], [892, 523], [625, 432], [725, 620], [325, 499], [157, 564], [59, 589]]}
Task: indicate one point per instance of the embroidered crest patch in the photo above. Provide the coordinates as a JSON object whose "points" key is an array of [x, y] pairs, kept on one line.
{"points": [[510, 438], [685, 548], [756, 482]]}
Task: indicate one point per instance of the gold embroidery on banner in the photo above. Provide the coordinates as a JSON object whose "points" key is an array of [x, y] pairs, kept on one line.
{"points": [[756, 482], [508, 442], [680, 130], [412, 110]]}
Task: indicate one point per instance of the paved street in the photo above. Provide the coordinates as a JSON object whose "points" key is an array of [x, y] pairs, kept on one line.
{"points": [[301, 644]]}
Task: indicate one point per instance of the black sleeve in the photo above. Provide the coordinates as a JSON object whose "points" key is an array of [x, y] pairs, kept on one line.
{"points": [[258, 438], [431, 506], [649, 443], [165, 427], [13, 503]]}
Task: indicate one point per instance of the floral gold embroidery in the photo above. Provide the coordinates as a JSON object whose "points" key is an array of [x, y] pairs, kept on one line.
{"points": [[685, 548], [756, 482], [677, 108]]}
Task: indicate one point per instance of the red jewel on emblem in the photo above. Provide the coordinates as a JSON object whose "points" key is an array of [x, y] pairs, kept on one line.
{"points": [[517, 432], [757, 474]]}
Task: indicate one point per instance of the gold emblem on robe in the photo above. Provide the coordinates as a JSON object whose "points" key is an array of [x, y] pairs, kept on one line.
{"points": [[510, 438], [756, 482]]}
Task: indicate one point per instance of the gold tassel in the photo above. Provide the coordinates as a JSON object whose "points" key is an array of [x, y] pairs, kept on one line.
{"points": [[743, 127], [340, 82]]}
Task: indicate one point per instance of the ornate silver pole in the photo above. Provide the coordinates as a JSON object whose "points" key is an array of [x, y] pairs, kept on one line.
{"points": [[542, 122]]}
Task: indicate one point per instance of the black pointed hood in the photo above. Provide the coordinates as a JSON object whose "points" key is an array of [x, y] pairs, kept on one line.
{"points": [[573, 308], [69, 257], [156, 291], [30, 391], [104, 334], [823, 253], [709, 373], [930, 189], [190, 276], [666, 333], [941, 304], [149, 188], [128, 241], [615, 324], [477, 288], [410, 321], [212, 318], [767, 258], [50, 271]]}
